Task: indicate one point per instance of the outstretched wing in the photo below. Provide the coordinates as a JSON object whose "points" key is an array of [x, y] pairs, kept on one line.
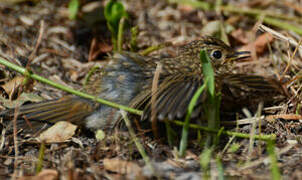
{"points": [[246, 82], [172, 98]]}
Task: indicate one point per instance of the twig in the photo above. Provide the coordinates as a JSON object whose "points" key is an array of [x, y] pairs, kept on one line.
{"points": [[282, 25], [291, 59], [284, 116], [15, 137], [41, 32], [261, 160], [91, 49], [253, 130], [153, 99], [139, 146], [278, 35], [242, 121]]}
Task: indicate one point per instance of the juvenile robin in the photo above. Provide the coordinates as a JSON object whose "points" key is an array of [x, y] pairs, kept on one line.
{"points": [[127, 79]]}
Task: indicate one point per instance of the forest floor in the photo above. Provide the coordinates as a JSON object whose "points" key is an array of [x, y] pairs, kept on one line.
{"points": [[40, 34]]}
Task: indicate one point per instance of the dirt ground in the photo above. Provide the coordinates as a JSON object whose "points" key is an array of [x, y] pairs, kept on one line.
{"points": [[64, 50]]}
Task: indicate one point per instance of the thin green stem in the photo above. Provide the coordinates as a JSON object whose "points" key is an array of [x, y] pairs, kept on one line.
{"points": [[283, 25], [258, 12], [41, 157], [151, 49], [90, 73], [138, 145], [133, 41], [185, 130], [274, 162], [271, 137], [271, 17], [120, 34], [193, 3], [213, 101]]}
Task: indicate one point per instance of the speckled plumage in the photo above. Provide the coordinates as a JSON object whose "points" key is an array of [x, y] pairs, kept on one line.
{"points": [[127, 79]]}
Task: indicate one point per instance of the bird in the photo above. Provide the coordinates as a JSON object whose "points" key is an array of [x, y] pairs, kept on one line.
{"points": [[127, 79]]}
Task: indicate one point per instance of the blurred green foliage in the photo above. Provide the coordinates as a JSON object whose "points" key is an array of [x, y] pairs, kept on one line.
{"points": [[73, 8], [114, 12]]}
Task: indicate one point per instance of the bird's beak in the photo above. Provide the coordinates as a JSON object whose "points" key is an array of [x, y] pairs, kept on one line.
{"points": [[237, 56]]}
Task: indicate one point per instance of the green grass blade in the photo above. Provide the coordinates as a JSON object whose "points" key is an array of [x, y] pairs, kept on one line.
{"points": [[185, 130], [274, 164], [208, 72], [213, 100]]}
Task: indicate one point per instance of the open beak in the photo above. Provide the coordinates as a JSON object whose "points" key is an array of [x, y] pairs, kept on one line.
{"points": [[237, 56]]}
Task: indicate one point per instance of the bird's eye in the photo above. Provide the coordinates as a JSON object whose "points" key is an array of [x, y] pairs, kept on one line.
{"points": [[217, 54]]}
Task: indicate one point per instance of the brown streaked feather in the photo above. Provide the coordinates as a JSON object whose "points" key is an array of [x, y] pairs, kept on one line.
{"points": [[183, 106], [178, 99], [70, 109], [247, 82], [174, 98], [166, 100], [162, 95]]}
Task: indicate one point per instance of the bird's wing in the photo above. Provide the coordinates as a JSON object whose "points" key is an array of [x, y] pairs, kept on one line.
{"points": [[172, 98], [246, 82]]}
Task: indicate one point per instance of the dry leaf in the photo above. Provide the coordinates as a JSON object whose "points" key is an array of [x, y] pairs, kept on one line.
{"points": [[13, 84], [46, 174], [260, 43], [60, 132], [240, 36], [211, 28], [24, 97], [97, 48], [185, 8], [122, 167]]}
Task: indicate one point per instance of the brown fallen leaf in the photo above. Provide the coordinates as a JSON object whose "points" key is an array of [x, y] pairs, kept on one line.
{"points": [[13, 84], [260, 44], [185, 8], [211, 28], [294, 5], [60, 132], [24, 97], [240, 36], [122, 167], [45, 174], [97, 48]]}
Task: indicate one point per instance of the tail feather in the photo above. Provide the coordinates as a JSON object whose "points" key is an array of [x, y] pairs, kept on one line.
{"points": [[72, 109], [45, 105]]}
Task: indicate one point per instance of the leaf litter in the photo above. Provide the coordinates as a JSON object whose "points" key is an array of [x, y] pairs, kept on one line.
{"points": [[70, 48]]}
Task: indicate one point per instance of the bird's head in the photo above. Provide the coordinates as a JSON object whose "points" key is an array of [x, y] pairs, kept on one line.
{"points": [[219, 52]]}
